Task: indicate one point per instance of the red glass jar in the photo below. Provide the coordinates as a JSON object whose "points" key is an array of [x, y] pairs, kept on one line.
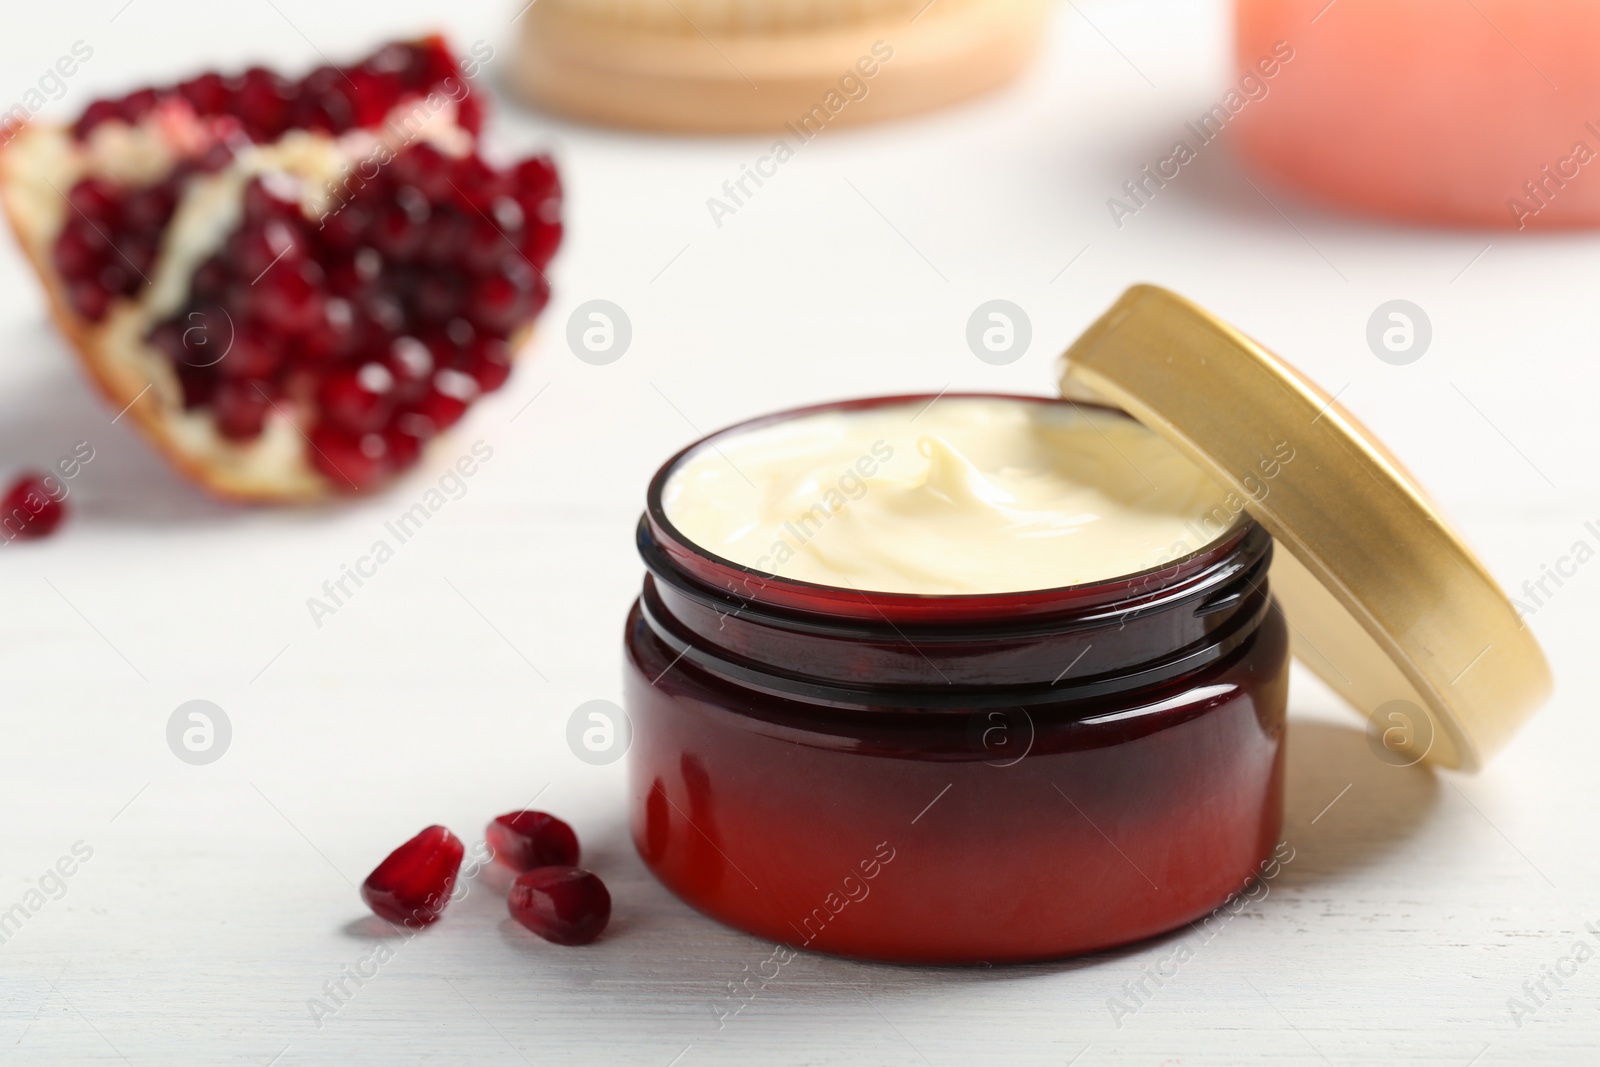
{"points": [[950, 779]]}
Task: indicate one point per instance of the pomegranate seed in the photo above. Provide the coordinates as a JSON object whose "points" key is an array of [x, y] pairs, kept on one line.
{"points": [[352, 463], [540, 297], [459, 332], [29, 510], [368, 263], [398, 231], [411, 364], [265, 103], [426, 168], [507, 215], [256, 250], [136, 105], [390, 59], [370, 94], [474, 184], [140, 254], [436, 412], [403, 448], [415, 425], [99, 112], [322, 105], [414, 202], [488, 360], [352, 279], [386, 317], [567, 905], [94, 199], [241, 408], [469, 113], [167, 338], [485, 247], [438, 298], [499, 303], [115, 278], [333, 335], [346, 227], [467, 173], [205, 337], [263, 204], [547, 212], [431, 62], [539, 244], [210, 279], [213, 158], [537, 179], [199, 385], [148, 209], [78, 249], [451, 393], [208, 94], [447, 236], [251, 355], [412, 886], [374, 190], [524, 840], [358, 400], [89, 299], [288, 297]]}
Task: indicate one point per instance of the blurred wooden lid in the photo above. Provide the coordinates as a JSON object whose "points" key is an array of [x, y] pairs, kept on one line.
{"points": [[710, 66]]}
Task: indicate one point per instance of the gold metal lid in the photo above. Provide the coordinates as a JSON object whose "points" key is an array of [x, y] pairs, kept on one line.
{"points": [[1384, 600]]}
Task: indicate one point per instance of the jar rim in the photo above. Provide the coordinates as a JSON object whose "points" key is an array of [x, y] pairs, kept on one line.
{"points": [[748, 584]]}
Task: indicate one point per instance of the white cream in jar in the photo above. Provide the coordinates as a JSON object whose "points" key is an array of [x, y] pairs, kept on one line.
{"points": [[965, 495]]}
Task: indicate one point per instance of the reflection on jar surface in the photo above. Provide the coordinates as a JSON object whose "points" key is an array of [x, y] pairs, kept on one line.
{"points": [[948, 779]]}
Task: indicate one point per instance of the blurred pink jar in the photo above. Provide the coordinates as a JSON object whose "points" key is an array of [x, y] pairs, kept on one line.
{"points": [[1455, 112]]}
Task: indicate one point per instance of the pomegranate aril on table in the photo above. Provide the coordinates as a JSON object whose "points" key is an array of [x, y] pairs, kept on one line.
{"points": [[413, 885], [523, 840], [31, 508], [566, 905], [295, 284]]}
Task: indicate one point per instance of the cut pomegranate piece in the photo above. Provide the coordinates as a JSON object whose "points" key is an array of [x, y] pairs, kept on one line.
{"points": [[567, 905], [30, 510], [524, 840], [412, 886], [297, 320]]}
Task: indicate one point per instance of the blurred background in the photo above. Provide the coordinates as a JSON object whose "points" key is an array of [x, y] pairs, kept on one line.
{"points": [[219, 899]]}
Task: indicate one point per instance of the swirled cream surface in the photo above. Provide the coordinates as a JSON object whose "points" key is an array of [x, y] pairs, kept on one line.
{"points": [[966, 495]]}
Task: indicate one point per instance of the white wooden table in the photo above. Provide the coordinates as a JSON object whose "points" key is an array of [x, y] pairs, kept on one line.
{"points": [[219, 900]]}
